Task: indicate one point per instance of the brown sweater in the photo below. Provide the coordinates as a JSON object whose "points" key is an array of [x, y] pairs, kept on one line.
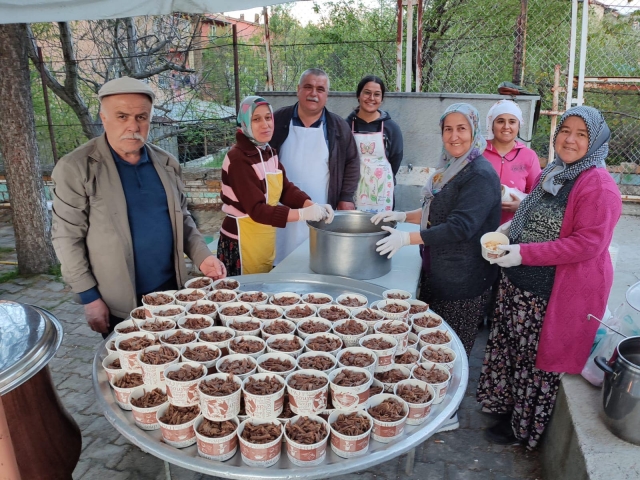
{"points": [[244, 187]]}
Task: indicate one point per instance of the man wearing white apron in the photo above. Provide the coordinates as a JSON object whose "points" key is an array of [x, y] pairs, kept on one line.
{"points": [[319, 153]]}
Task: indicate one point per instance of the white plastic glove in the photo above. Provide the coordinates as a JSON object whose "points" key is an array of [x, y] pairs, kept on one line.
{"points": [[330, 213], [392, 243], [504, 228], [511, 259], [312, 213], [388, 216]]}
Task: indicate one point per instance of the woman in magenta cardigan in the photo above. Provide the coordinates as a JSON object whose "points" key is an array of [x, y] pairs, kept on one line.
{"points": [[556, 271]]}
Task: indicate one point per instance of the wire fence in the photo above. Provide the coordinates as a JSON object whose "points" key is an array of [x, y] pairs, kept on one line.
{"points": [[468, 47]]}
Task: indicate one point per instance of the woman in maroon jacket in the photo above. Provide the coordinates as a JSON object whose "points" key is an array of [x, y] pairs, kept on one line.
{"points": [[257, 196]]}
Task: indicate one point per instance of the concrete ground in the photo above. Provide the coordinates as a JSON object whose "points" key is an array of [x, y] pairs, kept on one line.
{"points": [[461, 454]]}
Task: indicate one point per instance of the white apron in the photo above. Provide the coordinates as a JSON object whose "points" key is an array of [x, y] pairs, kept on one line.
{"points": [[305, 157], [375, 188]]}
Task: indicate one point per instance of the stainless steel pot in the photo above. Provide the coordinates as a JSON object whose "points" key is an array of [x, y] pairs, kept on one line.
{"points": [[347, 246], [621, 390]]}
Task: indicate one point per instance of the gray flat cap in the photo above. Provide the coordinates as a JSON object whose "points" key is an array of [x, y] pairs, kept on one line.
{"points": [[125, 85]]}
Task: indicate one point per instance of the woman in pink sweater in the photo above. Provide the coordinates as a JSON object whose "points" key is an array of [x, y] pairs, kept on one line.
{"points": [[556, 271]]}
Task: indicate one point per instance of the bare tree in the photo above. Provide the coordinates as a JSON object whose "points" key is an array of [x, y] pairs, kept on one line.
{"points": [[20, 153]]}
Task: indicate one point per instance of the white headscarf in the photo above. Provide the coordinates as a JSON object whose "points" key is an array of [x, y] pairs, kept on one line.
{"points": [[499, 108]]}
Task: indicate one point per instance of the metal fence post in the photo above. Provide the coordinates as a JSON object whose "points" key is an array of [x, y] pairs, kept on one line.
{"points": [[47, 109]]}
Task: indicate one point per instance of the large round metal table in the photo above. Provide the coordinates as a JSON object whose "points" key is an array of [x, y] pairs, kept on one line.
{"points": [[151, 441]]}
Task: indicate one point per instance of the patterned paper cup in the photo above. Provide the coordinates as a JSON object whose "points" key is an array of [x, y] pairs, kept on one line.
{"points": [[410, 351], [486, 242], [288, 316], [276, 356], [145, 418], [129, 359], [371, 367], [210, 365], [142, 312], [424, 357], [201, 283], [322, 308], [260, 454], [385, 357], [263, 406], [386, 432], [424, 341], [154, 374], [370, 323], [350, 398], [126, 326], [211, 309], [346, 446], [417, 304], [242, 297], [226, 284], [181, 296], [165, 312], [402, 315], [361, 299], [164, 337], [227, 314], [223, 345], [230, 358], [179, 436], [275, 338], [331, 336], [418, 412], [428, 319], [310, 402], [122, 394], [184, 322], [110, 346], [224, 407], [269, 308], [222, 296], [183, 394], [282, 299], [350, 340], [300, 360], [413, 341], [303, 335], [153, 326], [303, 455], [405, 370], [240, 338], [108, 360], [401, 338], [267, 323], [396, 294], [440, 388], [216, 448], [149, 307], [378, 385], [306, 297]]}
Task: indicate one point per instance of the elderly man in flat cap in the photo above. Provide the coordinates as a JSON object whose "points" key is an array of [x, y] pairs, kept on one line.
{"points": [[120, 221]]}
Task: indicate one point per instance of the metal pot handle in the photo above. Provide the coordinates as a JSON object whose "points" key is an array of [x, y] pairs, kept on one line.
{"points": [[601, 362]]}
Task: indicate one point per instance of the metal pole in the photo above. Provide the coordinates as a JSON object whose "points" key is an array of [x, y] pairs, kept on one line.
{"points": [[520, 44], [419, 48], [583, 51], [554, 118], [47, 109], [399, 49], [408, 72], [572, 52], [236, 73], [267, 44]]}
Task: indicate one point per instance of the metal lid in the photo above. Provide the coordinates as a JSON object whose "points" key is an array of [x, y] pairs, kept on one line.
{"points": [[29, 338], [633, 296]]}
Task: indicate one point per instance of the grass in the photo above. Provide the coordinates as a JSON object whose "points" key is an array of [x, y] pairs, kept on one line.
{"points": [[7, 250], [217, 160], [56, 271], [8, 276]]}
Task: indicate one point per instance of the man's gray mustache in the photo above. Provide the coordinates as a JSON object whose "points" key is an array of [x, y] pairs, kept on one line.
{"points": [[133, 136], [313, 99]]}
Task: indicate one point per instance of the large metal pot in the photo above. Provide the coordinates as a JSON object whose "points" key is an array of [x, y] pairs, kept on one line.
{"points": [[621, 390], [347, 246]]}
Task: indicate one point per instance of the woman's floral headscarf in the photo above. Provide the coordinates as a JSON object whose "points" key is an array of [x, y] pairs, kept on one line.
{"points": [[247, 107]]}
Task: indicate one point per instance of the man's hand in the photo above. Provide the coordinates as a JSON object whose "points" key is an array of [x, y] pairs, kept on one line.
{"points": [[346, 206], [213, 268], [97, 315], [513, 205]]}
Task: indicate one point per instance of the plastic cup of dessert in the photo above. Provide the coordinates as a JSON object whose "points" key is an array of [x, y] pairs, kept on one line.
{"points": [[216, 448], [422, 320], [370, 323], [287, 310], [108, 360], [219, 408], [195, 283], [418, 412], [489, 243], [303, 455], [184, 322], [266, 323], [312, 354], [385, 357], [233, 357], [371, 367], [348, 446], [275, 338], [386, 432], [146, 418], [230, 316], [306, 296], [260, 454], [350, 340], [405, 370], [310, 338], [276, 297], [129, 358], [154, 374], [122, 394], [440, 388], [164, 337], [264, 298], [402, 338], [451, 352], [425, 341], [303, 335], [308, 402], [223, 345], [179, 436], [361, 299], [396, 294], [350, 398], [238, 324], [263, 406], [183, 393], [276, 356]]}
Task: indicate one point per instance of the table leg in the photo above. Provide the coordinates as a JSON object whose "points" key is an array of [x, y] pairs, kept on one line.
{"points": [[411, 458], [167, 470]]}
